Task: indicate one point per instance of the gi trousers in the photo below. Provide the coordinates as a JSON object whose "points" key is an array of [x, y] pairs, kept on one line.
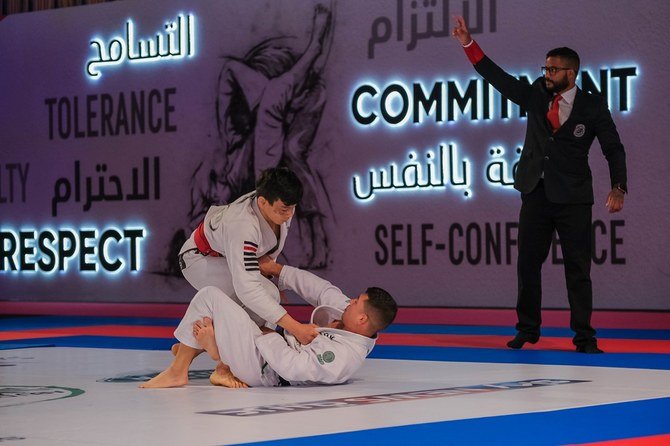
{"points": [[235, 336]]}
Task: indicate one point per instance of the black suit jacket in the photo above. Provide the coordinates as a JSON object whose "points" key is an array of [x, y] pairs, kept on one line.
{"points": [[562, 156]]}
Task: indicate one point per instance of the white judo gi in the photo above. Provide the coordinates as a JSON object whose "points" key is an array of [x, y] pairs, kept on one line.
{"points": [[260, 359], [239, 234]]}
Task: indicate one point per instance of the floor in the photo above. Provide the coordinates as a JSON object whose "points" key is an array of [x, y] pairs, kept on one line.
{"points": [[72, 380]]}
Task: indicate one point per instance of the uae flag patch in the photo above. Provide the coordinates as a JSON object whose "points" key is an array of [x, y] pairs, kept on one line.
{"points": [[249, 251]]}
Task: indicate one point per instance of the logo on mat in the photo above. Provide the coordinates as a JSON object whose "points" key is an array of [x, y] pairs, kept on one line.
{"points": [[580, 129], [19, 395], [391, 397], [11, 361]]}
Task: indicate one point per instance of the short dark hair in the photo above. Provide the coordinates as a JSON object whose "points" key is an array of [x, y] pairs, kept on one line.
{"points": [[279, 183], [567, 54], [381, 307]]}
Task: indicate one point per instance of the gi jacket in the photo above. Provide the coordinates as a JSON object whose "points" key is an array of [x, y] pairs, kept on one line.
{"points": [[334, 356], [562, 156], [239, 233]]}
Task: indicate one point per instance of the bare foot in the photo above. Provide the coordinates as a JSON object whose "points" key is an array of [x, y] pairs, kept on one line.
{"points": [[167, 378], [204, 333], [222, 376]]}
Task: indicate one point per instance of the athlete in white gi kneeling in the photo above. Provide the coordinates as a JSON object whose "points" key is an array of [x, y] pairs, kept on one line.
{"points": [[347, 333], [223, 250]]}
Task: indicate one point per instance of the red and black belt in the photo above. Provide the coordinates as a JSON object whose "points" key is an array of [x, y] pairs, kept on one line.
{"points": [[202, 243]]}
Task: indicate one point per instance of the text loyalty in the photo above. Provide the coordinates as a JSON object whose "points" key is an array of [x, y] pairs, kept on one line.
{"points": [[13, 179]]}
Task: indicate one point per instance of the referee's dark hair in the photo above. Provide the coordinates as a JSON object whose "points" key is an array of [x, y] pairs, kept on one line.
{"points": [[569, 55]]}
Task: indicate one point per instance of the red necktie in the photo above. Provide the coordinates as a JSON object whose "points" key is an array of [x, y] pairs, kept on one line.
{"points": [[552, 114]]}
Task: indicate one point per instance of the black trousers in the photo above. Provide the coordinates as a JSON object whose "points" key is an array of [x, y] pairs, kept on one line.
{"points": [[537, 221]]}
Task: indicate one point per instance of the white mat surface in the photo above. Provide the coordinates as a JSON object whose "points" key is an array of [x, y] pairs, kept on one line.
{"points": [[40, 402]]}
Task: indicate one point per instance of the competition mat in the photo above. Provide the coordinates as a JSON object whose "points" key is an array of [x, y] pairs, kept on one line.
{"points": [[73, 381]]}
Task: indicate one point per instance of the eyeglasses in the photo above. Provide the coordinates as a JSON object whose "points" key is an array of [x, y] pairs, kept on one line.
{"points": [[552, 70]]}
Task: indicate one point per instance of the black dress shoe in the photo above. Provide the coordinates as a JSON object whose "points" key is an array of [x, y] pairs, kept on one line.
{"points": [[591, 347], [520, 339]]}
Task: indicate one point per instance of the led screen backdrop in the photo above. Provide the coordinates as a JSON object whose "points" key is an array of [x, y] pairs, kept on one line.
{"points": [[122, 122]]}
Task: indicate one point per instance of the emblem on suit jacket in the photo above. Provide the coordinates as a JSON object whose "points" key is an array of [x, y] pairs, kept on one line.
{"points": [[580, 129]]}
